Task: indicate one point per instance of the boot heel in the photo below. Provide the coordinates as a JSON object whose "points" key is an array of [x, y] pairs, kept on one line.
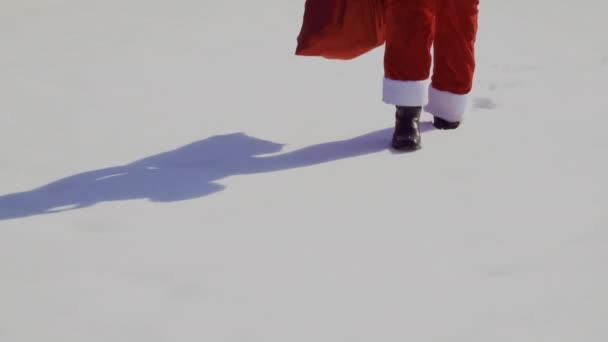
{"points": [[407, 129], [440, 123]]}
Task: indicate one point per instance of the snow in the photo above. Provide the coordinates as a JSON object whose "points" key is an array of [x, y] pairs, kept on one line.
{"points": [[172, 172]]}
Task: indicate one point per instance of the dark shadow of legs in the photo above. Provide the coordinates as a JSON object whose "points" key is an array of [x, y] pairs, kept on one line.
{"points": [[185, 173]]}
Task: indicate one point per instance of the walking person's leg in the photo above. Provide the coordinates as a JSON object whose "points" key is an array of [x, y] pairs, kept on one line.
{"points": [[454, 61], [407, 62]]}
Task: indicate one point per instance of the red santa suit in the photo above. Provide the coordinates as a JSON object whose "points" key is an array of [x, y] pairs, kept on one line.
{"points": [[413, 27]]}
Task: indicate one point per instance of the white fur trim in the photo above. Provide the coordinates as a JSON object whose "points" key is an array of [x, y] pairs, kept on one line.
{"points": [[446, 105], [405, 93]]}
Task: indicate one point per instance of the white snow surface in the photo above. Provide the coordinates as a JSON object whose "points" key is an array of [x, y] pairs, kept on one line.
{"points": [[171, 172]]}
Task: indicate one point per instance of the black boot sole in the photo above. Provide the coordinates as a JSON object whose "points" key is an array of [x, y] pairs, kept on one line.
{"points": [[405, 147]]}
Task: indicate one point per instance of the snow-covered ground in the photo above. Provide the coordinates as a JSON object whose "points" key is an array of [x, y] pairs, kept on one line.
{"points": [[170, 171]]}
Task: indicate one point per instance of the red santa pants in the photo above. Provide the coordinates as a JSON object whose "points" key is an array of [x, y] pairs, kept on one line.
{"points": [[413, 27]]}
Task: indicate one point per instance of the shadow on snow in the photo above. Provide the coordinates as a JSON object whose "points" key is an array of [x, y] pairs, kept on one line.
{"points": [[185, 173]]}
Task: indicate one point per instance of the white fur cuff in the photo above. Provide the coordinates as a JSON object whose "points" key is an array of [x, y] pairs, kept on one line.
{"points": [[446, 105], [405, 93]]}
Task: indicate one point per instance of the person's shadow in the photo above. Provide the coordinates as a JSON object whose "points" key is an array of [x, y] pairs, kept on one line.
{"points": [[185, 173]]}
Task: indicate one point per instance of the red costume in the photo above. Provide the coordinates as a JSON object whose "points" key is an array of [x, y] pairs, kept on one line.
{"points": [[412, 28]]}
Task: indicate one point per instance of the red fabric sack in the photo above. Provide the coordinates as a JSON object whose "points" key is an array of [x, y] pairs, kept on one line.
{"points": [[341, 29]]}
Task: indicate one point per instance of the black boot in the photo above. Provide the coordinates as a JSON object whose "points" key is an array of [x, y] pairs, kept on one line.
{"points": [[440, 123], [407, 129]]}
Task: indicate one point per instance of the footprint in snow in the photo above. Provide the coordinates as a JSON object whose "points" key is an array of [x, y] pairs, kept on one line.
{"points": [[484, 103]]}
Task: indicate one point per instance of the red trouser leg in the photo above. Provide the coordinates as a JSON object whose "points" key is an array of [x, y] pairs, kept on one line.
{"points": [[454, 58], [410, 25]]}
